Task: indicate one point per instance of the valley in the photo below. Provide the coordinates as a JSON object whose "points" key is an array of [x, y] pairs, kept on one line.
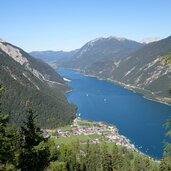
{"points": [[85, 85], [142, 67], [30, 81]]}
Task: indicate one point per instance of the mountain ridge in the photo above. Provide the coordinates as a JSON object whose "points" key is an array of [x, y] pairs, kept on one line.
{"points": [[26, 78], [100, 50], [138, 68], [142, 69]]}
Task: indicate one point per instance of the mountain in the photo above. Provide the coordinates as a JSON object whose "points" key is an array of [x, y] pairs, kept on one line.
{"points": [[136, 66], [145, 69], [28, 79], [51, 56], [100, 50]]}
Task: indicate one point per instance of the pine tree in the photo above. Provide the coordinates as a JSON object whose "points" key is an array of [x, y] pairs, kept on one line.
{"points": [[142, 164], [168, 134], [91, 157], [165, 164], [34, 150], [58, 166], [120, 159], [106, 159], [95, 160], [6, 140], [68, 155], [115, 154]]}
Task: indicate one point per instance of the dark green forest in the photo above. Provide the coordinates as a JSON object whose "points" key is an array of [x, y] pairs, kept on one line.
{"points": [[48, 100]]}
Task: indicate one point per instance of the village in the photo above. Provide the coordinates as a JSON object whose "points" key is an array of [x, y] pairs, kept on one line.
{"points": [[84, 130]]}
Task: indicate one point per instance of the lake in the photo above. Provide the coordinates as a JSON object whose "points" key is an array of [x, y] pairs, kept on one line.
{"points": [[137, 118]]}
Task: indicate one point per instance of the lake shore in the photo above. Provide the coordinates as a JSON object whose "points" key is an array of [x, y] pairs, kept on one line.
{"points": [[146, 93], [98, 132], [110, 95]]}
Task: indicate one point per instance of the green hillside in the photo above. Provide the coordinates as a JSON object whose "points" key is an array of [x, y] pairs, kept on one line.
{"points": [[166, 59], [34, 82]]}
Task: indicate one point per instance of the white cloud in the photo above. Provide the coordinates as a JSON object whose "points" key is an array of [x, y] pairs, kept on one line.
{"points": [[150, 40]]}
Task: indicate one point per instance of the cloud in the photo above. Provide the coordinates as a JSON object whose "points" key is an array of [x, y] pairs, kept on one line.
{"points": [[150, 40]]}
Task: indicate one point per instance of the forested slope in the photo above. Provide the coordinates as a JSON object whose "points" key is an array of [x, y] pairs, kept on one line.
{"points": [[30, 80]]}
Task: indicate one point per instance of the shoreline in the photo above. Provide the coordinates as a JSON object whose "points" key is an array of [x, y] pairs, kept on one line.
{"points": [[86, 127], [146, 94], [128, 144], [138, 148]]}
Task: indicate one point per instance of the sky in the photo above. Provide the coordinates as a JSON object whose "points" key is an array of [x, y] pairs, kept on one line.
{"points": [[69, 24]]}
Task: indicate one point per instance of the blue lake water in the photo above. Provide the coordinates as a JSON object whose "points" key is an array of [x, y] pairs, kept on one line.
{"points": [[137, 118]]}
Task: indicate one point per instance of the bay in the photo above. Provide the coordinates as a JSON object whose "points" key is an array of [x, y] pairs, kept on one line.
{"points": [[139, 119]]}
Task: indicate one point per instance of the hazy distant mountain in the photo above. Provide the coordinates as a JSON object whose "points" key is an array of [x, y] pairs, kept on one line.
{"points": [[28, 79], [101, 49], [50, 56]]}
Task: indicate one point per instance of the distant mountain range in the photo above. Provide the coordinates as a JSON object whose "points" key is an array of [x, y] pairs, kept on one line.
{"points": [[132, 64], [27, 79], [50, 56]]}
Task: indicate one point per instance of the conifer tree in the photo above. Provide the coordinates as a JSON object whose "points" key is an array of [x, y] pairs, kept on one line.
{"points": [[168, 134], [90, 157], [6, 142], [6, 139], [58, 166], [142, 164], [34, 150], [106, 159], [165, 164]]}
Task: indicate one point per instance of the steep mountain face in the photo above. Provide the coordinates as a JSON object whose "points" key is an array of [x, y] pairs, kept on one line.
{"points": [[28, 79], [101, 50], [134, 65], [144, 68]]}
